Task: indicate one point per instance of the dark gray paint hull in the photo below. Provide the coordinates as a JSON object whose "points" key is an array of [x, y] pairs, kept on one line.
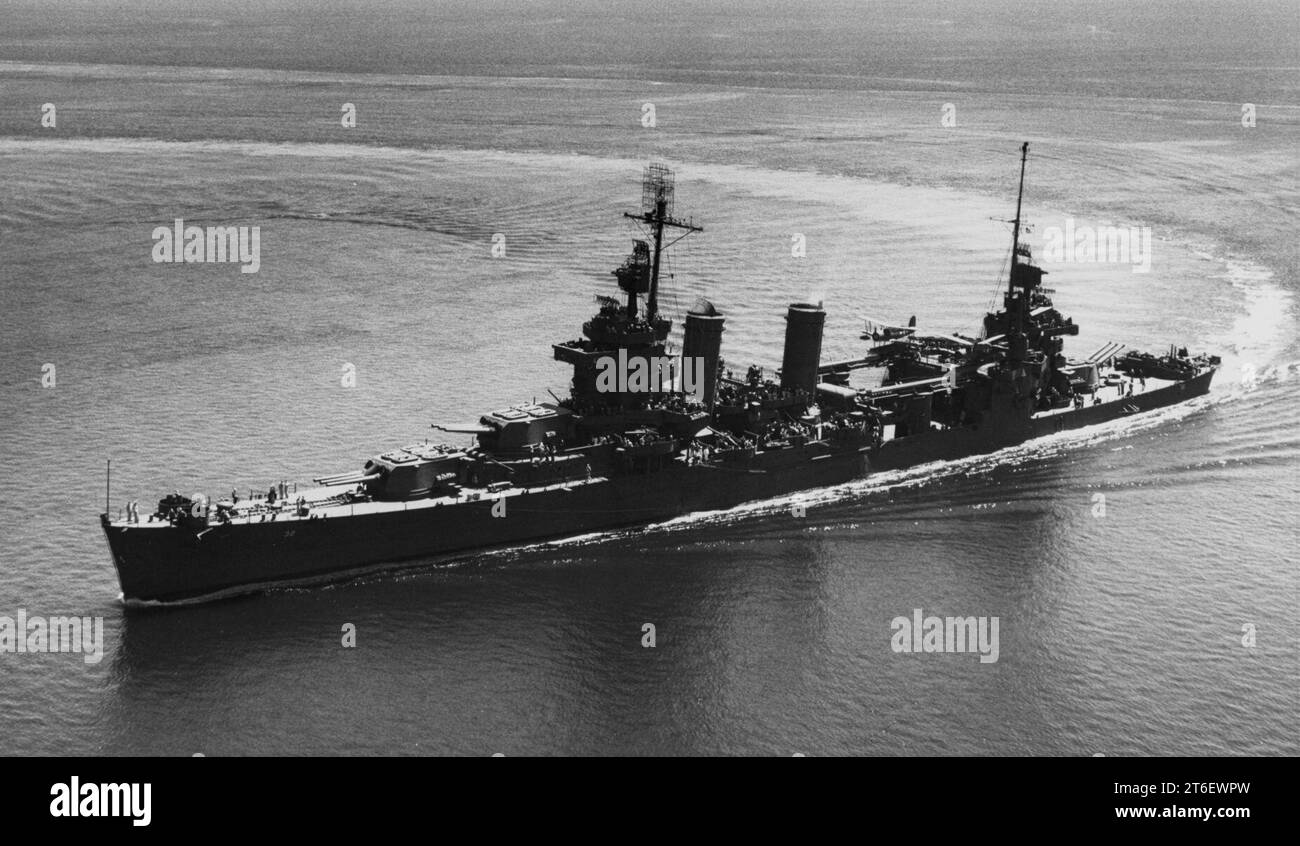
{"points": [[175, 564]]}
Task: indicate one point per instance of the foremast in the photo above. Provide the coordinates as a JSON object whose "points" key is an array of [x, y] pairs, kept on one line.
{"points": [[656, 212], [619, 329]]}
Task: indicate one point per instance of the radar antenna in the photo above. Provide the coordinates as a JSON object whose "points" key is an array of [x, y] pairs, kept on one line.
{"points": [[656, 212]]}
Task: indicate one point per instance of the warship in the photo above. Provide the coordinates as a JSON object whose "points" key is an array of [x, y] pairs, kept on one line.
{"points": [[647, 435]]}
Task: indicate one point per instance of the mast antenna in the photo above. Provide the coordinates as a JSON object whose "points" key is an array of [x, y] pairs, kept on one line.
{"points": [[657, 185], [1015, 234]]}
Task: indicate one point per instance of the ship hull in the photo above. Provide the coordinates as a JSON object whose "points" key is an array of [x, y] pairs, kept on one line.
{"points": [[174, 563]]}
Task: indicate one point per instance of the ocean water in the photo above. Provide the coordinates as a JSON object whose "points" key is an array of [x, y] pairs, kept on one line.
{"points": [[1120, 634]]}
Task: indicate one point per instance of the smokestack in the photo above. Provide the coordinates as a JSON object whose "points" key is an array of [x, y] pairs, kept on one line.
{"points": [[703, 338], [803, 346]]}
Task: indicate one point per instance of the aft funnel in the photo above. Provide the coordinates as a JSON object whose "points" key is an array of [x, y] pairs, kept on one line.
{"points": [[803, 346]]}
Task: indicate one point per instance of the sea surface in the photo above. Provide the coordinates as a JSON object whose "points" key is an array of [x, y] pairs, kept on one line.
{"points": [[1123, 629]]}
